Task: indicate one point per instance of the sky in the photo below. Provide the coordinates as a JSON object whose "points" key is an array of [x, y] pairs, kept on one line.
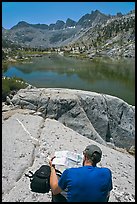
{"points": [[50, 12]]}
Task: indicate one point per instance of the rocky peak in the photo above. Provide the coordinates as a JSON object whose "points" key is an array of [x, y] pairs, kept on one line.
{"points": [[21, 24], [59, 25], [96, 12], [82, 21], [70, 23], [88, 19], [51, 26], [119, 14], [98, 15]]}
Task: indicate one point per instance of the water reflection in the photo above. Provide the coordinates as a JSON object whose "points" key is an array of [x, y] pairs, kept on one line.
{"points": [[114, 77]]}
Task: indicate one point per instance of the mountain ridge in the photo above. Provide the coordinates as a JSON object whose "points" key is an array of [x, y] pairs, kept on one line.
{"points": [[94, 33], [24, 23]]}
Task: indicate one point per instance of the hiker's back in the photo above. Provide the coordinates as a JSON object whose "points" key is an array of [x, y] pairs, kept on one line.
{"points": [[87, 183]]}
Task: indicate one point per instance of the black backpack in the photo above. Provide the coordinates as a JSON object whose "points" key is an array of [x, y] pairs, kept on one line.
{"points": [[40, 180]]}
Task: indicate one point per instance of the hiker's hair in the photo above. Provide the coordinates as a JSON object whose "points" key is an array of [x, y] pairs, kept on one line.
{"points": [[95, 158]]}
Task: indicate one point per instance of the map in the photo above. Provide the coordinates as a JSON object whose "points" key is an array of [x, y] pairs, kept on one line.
{"points": [[68, 159]]}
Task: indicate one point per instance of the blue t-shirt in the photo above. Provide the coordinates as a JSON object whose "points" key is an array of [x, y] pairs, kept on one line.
{"points": [[86, 184]]}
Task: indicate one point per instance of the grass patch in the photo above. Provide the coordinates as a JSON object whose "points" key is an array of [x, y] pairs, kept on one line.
{"points": [[11, 84]]}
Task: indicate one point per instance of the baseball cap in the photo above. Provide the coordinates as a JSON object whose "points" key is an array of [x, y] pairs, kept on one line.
{"points": [[90, 149]]}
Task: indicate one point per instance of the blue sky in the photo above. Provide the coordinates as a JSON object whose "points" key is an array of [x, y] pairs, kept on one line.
{"points": [[50, 12]]}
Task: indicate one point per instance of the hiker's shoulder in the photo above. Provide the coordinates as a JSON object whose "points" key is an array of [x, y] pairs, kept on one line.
{"points": [[73, 169], [104, 170]]}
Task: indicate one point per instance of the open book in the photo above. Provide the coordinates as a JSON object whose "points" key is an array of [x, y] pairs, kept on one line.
{"points": [[68, 159]]}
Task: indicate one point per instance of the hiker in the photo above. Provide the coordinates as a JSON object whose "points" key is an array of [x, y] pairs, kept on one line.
{"points": [[88, 183]]}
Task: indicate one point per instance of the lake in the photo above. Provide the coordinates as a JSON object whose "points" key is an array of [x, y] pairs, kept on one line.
{"points": [[101, 75]]}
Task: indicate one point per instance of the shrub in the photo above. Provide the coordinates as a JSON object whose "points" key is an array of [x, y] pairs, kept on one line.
{"points": [[5, 90], [11, 84]]}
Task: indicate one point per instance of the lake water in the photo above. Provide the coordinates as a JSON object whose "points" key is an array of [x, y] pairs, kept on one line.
{"points": [[102, 75]]}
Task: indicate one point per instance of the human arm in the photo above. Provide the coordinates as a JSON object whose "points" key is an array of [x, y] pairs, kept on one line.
{"points": [[54, 179]]}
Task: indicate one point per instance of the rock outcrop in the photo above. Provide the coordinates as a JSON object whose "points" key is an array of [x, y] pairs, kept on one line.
{"points": [[29, 139], [100, 117]]}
